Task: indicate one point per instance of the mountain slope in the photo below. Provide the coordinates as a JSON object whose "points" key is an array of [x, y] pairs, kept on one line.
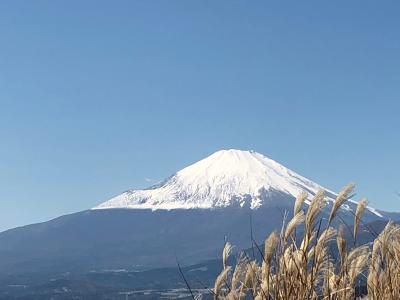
{"points": [[129, 239]]}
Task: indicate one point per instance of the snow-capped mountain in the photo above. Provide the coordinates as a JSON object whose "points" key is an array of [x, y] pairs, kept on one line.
{"points": [[225, 178], [239, 195]]}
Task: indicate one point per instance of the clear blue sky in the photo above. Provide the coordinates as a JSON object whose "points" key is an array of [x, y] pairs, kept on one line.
{"points": [[100, 96]]}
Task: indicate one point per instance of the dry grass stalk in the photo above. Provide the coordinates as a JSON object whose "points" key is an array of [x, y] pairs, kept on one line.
{"points": [[290, 271], [299, 202], [357, 217], [226, 253], [342, 197]]}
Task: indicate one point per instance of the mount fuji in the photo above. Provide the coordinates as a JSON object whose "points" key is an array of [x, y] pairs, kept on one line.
{"points": [[233, 194]]}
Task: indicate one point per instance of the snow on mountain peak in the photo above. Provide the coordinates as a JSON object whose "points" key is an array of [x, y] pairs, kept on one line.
{"points": [[225, 178]]}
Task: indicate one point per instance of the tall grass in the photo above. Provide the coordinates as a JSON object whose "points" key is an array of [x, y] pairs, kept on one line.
{"points": [[303, 267]]}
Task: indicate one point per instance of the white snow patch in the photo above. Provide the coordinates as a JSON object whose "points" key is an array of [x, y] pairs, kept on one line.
{"points": [[201, 269], [225, 178]]}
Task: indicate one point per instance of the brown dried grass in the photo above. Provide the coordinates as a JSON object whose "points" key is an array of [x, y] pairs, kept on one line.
{"points": [[305, 270]]}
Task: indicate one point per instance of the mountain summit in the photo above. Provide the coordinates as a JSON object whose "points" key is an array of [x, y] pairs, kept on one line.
{"points": [[225, 178]]}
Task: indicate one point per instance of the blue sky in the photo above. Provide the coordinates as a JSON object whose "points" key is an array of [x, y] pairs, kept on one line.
{"points": [[100, 96]]}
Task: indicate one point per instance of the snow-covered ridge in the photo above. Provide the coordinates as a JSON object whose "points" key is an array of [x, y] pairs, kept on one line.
{"points": [[225, 178]]}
